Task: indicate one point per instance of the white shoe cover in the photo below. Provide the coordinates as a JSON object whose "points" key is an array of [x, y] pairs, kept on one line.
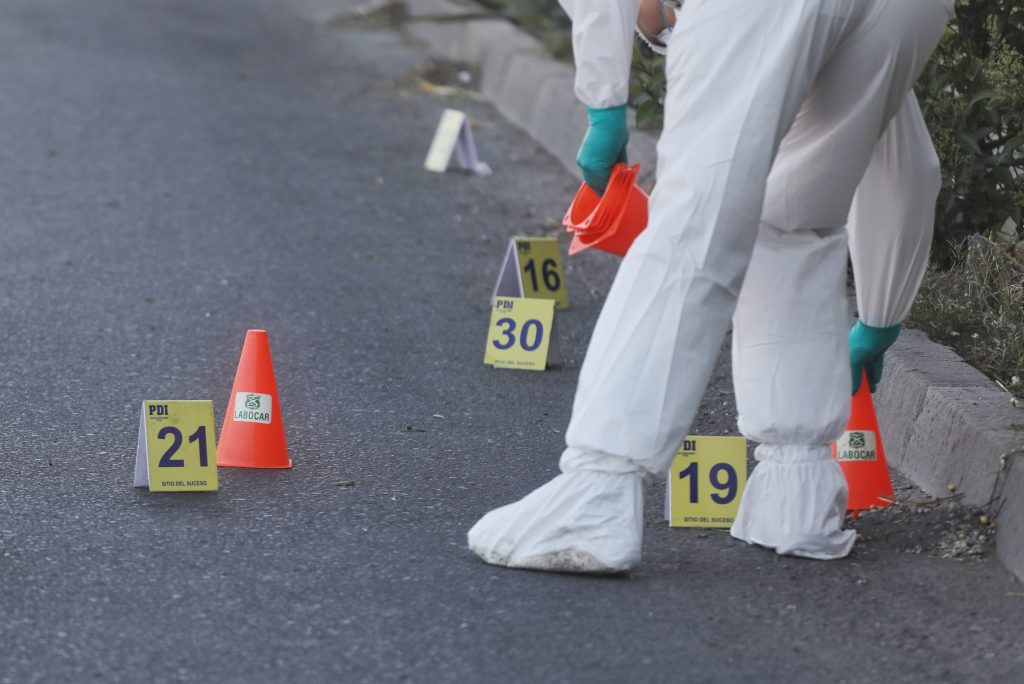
{"points": [[582, 521], [794, 503]]}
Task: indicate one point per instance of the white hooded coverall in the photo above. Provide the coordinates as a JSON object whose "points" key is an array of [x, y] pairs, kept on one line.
{"points": [[782, 121]]}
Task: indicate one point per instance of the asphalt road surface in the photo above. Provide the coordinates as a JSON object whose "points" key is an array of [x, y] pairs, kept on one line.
{"points": [[173, 172]]}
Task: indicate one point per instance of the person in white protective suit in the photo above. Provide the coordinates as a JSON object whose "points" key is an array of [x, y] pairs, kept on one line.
{"points": [[787, 125]]}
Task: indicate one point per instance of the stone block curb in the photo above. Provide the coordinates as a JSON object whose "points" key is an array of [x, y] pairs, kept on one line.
{"points": [[944, 423]]}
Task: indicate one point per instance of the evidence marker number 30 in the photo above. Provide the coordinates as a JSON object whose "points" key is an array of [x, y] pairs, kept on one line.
{"points": [[521, 333]]}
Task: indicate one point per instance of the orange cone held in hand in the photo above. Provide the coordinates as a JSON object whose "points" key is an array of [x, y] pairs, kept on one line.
{"points": [[253, 432], [609, 222], [862, 457]]}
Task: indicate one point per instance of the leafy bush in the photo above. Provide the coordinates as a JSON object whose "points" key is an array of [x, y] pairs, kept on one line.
{"points": [[972, 94], [647, 89]]}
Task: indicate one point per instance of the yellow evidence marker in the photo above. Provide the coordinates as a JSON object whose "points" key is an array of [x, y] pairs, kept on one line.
{"points": [[177, 451], [706, 482], [454, 137], [533, 268], [522, 334]]}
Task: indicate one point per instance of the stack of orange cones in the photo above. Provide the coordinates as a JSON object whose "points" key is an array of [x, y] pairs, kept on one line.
{"points": [[862, 457], [253, 431], [609, 222]]}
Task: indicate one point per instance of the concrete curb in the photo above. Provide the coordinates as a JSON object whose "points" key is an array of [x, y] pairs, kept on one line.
{"points": [[944, 422]]}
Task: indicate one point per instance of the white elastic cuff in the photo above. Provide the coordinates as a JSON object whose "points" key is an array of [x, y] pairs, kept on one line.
{"points": [[792, 453]]}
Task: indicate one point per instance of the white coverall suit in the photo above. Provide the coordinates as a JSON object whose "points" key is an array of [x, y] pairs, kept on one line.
{"points": [[785, 123]]}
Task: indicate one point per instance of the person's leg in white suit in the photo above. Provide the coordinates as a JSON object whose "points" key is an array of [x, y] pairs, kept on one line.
{"points": [[790, 358], [738, 72], [893, 219]]}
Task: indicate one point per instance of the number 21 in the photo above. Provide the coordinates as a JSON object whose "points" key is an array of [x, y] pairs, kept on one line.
{"points": [[168, 460]]}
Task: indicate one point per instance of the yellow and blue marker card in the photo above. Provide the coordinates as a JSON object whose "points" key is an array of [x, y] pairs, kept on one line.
{"points": [[706, 482], [533, 268], [522, 334], [177, 450]]}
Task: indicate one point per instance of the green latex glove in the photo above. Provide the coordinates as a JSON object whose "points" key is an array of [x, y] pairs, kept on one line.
{"points": [[867, 347], [603, 146]]}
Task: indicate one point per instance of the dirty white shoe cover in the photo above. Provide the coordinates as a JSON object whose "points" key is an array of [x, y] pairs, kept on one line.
{"points": [[582, 521]]}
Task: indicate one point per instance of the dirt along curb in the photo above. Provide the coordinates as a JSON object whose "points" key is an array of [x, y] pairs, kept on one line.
{"points": [[946, 426]]}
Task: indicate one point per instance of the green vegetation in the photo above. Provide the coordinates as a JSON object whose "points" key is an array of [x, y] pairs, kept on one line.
{"points": [[972, 94], [976, 306], [647, 91]]}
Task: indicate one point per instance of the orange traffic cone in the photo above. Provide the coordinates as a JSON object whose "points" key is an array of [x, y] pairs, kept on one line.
{"points": [[253, 432], [610, 222], [862, 457]]}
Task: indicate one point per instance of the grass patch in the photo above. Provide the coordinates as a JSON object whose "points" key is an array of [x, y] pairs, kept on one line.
{"points": [[976, 306]]}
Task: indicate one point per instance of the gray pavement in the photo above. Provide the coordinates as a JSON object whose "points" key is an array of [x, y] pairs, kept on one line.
{"points": [[174, 172]]}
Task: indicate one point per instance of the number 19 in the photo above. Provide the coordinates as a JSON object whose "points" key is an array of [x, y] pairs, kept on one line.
{"points": [[729, 486]]}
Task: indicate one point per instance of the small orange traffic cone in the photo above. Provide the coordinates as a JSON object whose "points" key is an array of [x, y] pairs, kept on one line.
{"points": [[862, 457], [253, 432]]}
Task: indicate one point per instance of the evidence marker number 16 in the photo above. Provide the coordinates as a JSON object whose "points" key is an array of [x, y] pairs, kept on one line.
{"points": [[540, 269], [532, 268]]}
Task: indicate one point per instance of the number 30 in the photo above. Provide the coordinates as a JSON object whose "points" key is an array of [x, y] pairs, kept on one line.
{"points": [[532, 327]]}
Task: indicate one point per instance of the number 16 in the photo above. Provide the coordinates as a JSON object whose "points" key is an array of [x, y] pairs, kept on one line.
{"points": [[549, 272]]}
